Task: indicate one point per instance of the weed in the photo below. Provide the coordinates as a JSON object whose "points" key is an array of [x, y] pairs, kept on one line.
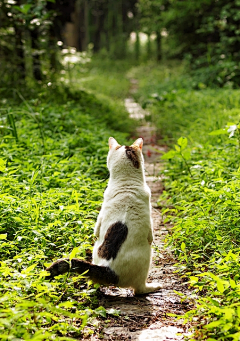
{"points": [[201, 197], [52, 177]]}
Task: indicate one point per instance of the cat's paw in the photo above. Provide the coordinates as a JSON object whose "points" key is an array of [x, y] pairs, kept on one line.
{"points": [[149, 287]]}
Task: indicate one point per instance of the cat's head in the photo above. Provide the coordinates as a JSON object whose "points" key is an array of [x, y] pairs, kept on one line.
{"points": [[125, 158]]}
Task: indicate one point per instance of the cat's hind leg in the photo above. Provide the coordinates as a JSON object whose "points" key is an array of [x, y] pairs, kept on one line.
{"points": [[147, 287]]}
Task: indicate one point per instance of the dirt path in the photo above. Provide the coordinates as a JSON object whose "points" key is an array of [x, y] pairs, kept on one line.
{"points": [[146, 317]]}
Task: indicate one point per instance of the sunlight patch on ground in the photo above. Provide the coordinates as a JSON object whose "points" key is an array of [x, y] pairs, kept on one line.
{"points": [[163, 333]]}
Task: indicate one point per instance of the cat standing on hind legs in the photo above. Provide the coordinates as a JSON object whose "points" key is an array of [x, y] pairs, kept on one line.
{"points": [[122, 252]]}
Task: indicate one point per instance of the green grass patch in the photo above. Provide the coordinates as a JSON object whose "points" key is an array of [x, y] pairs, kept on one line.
{"points": [[201, 197], [202, 203], [53, 172], [101, 76]]}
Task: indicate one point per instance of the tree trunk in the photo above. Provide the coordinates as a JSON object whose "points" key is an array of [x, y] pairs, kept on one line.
{"points": [[19, 52], [109, 25], [149, 46], [158, 45], [86, 24], [37, 72], [137, 46]]}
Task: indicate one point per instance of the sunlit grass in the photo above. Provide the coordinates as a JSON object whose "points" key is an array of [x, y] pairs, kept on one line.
{"points": [[52, 178], [201, 196]]}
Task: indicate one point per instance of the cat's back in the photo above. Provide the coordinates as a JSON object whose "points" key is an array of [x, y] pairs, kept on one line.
{"points": [[127, 203], [124, 228]]}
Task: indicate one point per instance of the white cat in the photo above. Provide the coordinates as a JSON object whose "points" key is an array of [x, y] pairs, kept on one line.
{"points": [[122, 252]]}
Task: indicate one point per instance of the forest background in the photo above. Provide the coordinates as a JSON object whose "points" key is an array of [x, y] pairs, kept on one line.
{"points": [[65, 71]]}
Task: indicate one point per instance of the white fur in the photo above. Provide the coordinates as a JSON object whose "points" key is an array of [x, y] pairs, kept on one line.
{"points": [[127, 199]]}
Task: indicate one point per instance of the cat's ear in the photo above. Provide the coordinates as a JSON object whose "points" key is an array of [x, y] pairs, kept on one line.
{"points": [[112, 143], [138, 143]]}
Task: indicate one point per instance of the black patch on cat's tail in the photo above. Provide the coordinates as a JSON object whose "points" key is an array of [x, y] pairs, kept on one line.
{"points": [[98, 274], [114, 237], [132, 155]]}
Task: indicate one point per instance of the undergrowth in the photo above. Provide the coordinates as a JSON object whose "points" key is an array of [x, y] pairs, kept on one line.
{"points": [[201, 197], [202, 203], [53, 173], [102, 75]]}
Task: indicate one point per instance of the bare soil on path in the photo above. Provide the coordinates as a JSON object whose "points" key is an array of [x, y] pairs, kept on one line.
{"points": [[146, 317]]}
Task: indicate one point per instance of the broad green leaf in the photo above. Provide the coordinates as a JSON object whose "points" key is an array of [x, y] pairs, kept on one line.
{"points": [[238, 311], [17, 8], [232, 283], [30, 268], [18, 219], [2, 165], [44, 273], [182, 142], [101, 311], [168, 155], [227, 326], [186, 154], [178, 149], [24, 8], [3, 236], [213, 324], [193, 280], [66, 304], [183, 246], [220, 285], [229, 313], [218, 132], [218, 237], [214, 302], [73, 253], [208, 273]]}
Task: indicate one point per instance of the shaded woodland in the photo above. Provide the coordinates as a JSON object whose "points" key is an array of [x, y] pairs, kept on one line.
{"points": [[204, 33]]}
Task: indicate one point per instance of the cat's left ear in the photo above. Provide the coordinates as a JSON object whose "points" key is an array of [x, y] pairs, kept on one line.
{"points": [[139, 143], [112, 143]]}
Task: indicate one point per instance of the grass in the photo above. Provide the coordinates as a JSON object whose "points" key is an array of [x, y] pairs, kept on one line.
{"points": [[52, 177], [53, 173], [101, 75], [201, 197]]}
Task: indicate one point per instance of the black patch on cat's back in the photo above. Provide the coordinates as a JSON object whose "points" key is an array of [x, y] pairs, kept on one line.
{"points": [[114, 238], [132, 155]]}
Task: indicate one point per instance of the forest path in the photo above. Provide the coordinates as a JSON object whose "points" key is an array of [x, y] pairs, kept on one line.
{"points": [[145, 317]]}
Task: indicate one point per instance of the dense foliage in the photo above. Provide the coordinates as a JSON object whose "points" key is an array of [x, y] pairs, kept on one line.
{"points": [[205, 32], [201, 196], [33, 34]]}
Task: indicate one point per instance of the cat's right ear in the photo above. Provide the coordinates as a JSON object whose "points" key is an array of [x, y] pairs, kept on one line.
{"points": [[112, 143]]}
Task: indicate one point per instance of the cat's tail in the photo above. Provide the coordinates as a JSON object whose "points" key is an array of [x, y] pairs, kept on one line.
{"points": [[98, 274]]}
